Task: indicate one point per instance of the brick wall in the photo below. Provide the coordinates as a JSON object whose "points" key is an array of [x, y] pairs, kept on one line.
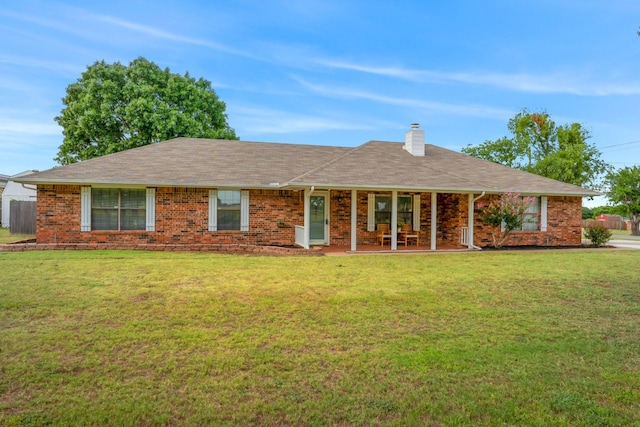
{"points": [[564, 226], [182, 219]]}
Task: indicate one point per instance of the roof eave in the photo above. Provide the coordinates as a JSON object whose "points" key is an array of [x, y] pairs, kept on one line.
{"points": [[462, 190], [302, 185]]}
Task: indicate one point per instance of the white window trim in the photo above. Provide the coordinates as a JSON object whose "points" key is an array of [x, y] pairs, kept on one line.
{"points": [[416, 212], [543, 213], [213, 210], [244, 210], [371, 212], [151, 209], [85, 209]]}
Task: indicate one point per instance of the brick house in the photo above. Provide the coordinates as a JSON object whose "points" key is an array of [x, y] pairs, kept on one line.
{"points": [[190, 192]]}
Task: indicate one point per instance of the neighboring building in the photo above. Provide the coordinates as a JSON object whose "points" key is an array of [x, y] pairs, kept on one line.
{"points": [[15, 190], [190, 191], [3, 183], [609, 217]]}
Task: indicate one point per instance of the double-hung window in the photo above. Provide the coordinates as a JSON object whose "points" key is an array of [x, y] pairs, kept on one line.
{"points": [[380, 210], [118, 209], [383, 209], [228, 210], [531, 217]]}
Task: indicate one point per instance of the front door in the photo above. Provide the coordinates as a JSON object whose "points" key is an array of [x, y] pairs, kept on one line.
{"points": [[319, 219]]}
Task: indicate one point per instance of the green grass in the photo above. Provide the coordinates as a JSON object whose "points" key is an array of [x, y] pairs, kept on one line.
{"points": [[6, 237], [617, 234], [496, 338]]}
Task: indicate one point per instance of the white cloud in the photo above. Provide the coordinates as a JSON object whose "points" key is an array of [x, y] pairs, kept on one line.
{"points": [[271, 121], [567, 83], [456, 109], [29, 127]]}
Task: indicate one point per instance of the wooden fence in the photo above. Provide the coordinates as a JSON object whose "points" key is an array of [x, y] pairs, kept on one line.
{"points": [[611, 225], [22, 217]]}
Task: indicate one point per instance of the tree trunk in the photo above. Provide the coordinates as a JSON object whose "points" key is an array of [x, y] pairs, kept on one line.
{"points": [[635, 222]]}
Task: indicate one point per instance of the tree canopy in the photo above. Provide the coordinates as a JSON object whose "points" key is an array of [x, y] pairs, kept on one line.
{"points": [[113, 107], [538, 146], [624, 188]]}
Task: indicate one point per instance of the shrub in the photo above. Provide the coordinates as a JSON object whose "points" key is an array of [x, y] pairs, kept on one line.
{"points": [[598, 235], [504, 215]]}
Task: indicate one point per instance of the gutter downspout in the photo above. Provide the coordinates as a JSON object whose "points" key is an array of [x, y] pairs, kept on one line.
{"points": [[471, 220]]}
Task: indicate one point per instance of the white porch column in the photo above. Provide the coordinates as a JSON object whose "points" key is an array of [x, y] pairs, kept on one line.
{"points": [[434, 219], [307, 219], [470, 223], [394, 220], [354, 219]]}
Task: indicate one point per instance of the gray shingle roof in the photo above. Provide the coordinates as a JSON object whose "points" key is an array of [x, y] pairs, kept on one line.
{"points": [[191, 162]]}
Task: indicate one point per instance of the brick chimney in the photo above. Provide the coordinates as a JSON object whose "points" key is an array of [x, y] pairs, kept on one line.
{"points": [[414, 140]]}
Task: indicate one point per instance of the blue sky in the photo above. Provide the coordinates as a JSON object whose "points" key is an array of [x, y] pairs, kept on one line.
{"points": [[338, 72]]}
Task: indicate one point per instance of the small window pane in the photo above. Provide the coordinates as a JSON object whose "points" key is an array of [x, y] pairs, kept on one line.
{"points": [[104, 219]]}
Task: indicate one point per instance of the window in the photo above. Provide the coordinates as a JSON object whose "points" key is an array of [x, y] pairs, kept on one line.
{"points": [[118, 209], [383, 209], [531, 217], [228, 210]]}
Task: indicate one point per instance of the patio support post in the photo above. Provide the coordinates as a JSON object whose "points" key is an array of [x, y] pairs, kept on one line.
{"points": [[307, 216], [394, 220], [470, 223], [354, 219], [434, 219]]}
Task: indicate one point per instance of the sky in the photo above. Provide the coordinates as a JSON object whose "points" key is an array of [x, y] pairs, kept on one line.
{"points": [[336, 72]]}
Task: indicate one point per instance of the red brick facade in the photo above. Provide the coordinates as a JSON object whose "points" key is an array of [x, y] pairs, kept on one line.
{"points": [[182, 219]]}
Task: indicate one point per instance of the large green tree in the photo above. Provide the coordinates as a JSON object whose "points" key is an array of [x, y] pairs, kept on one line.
{"points": [[624, 188], [113, 107], [538, 146]]}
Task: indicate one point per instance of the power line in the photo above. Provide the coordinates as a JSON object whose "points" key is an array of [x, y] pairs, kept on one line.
{"points": [[624, 143]]}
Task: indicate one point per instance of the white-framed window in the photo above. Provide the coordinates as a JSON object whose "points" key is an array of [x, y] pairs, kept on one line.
{"points": [[117, 209], [228, 210], [380, 210], [535, 217]]}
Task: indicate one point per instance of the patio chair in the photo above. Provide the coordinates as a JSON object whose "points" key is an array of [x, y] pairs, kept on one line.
{"points": [[383, 233], [407, 234]]}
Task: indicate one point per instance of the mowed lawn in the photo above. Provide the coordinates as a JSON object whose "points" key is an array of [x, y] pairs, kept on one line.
{"points": [[494, 338]]}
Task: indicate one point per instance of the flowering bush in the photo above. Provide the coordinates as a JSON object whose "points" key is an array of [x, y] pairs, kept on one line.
{"points": [[504, 215]]}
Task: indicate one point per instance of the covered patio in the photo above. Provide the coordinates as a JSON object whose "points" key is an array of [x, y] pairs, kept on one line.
{"points": [[352, 220]]}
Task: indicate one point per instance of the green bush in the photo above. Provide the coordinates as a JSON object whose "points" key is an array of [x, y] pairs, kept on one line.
{"points": [[598, 234]]}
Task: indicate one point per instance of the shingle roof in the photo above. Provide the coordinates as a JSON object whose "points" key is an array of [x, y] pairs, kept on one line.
{"points": [[191, 162]]}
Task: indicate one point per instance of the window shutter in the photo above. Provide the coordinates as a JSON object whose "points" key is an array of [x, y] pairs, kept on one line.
{"points": [[543, 213], [213, 210], [151, 209], [244, 210], [371, 212], [416, 212], [85, 209]]}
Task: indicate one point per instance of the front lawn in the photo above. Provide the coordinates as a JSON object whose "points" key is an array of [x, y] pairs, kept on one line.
{"points": [[495, 338], [6, 237]]}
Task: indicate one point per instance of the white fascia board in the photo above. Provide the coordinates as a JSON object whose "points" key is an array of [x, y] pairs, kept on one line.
{"points": [[432, 189]]}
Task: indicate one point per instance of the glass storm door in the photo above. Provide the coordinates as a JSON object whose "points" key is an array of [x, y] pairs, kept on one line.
{"points": [[318, 219]]}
